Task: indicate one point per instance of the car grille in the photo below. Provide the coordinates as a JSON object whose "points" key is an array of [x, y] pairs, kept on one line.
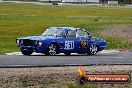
{"points": [[27, 42]]}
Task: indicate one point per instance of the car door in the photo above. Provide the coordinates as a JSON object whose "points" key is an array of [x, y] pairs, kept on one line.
{"points": [[76, 41], [70, 43], [83, 40]]}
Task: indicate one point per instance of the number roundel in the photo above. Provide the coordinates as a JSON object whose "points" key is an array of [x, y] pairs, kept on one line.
{"points": [[69, 45]]}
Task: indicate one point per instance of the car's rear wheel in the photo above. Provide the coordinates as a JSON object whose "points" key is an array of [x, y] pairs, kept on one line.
{"points": [[52, 49], [93, 49], [28, 53]]}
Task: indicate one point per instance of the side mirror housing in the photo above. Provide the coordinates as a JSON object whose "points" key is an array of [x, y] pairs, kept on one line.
{"points": [[64, 35]]}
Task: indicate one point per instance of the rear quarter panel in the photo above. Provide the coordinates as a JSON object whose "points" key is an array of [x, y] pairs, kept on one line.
{"points": [[101, 44]]}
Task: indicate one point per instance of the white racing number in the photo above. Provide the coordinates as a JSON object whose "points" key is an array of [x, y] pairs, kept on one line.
{"points": [[69, 44]]}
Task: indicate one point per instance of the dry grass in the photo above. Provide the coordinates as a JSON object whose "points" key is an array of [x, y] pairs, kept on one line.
{"points": [[121, 31], [56, 77]]}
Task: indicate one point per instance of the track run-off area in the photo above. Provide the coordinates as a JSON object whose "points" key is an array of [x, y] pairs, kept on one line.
{"points": [[40, 60]]}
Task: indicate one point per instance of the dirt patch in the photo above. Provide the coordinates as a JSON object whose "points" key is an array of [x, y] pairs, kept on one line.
{"points": [[122, 31], [55, 77]]}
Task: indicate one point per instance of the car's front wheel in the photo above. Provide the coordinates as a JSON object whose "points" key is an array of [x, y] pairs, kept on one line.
{"points": [[28, 53], [93, 49], [52, 50]]}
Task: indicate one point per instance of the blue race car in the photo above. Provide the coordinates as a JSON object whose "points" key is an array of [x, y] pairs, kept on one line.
{"points": [[65, 40]]}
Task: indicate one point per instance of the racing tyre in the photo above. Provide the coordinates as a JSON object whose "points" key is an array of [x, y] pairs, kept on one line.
{"points": [[93, 49], [52, 50], [28, 53]]}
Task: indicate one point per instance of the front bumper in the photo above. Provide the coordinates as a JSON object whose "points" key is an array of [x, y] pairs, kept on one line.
{"points": [[37, 49]]}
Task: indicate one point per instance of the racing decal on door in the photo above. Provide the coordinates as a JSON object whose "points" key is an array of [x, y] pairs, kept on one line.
{"points": [[83, 44], [69, 45]]}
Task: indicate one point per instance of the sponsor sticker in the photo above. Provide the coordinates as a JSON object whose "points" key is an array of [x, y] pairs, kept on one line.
{"points": [[102, 78], [83, 44]]}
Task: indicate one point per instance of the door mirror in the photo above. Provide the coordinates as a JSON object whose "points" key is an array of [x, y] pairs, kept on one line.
{"points": [[64, 35]]}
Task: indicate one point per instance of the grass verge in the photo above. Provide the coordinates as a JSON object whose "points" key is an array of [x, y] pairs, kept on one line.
{"points": [[73, 85], [17, 20]]}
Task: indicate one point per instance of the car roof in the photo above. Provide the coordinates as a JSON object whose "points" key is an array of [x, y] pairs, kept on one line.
{"points": [[61, 27], [65, 28]]}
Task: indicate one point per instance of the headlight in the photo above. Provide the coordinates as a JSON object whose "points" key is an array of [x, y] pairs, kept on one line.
{"points": [[40, 43], [17, 41]]}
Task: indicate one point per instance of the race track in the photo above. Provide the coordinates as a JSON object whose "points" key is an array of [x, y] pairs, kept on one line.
{"points": [[62, 60]]}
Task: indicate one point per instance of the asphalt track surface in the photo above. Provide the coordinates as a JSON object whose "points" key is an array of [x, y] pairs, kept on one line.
{"points": [[62, 60]]}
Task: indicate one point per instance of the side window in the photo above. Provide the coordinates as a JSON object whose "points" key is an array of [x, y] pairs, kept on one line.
{"points": [[61, 33], [81, 33], [71, 34]]}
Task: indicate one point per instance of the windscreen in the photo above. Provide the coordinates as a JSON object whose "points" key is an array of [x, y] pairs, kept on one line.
{"points": [[54, 32]]}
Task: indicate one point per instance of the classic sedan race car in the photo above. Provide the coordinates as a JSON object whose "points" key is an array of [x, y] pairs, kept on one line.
{"points": [[65, 40]]}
